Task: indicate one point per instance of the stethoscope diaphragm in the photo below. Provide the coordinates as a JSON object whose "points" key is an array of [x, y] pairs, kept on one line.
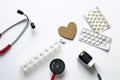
{"points": [[57, 66]]}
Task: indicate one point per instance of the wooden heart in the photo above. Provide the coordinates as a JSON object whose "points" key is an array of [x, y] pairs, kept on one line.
{"points": [[68, 32]]}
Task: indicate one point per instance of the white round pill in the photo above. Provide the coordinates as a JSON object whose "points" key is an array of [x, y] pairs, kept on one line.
{"points": [[100, 40], [81, 37], [107, 39], [95, 34], [84, 35], [93, 41], [89, 40], [88, 36], [99, 36], [85, 39], [83, 30], [92, 37], [91, 33], [96, 39], [103, 37], [88, 32], [97, 43]]}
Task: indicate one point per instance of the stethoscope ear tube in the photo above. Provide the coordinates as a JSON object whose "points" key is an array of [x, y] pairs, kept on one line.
{"points": [[53, 76], [27, 20], [0, 34], [5, 49]]}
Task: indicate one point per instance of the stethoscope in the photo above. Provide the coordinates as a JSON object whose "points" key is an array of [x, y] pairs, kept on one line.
{"points": [[27, 20]]}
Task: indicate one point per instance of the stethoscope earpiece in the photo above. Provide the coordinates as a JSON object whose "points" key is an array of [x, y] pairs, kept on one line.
{"points": [[32, 25], [22, 13]]}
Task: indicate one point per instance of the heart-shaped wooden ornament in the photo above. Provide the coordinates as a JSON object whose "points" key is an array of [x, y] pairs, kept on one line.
{"points": [[68, 32]]}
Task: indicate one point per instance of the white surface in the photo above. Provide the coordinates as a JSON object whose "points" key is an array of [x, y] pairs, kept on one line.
{"points": [[48, 15]]}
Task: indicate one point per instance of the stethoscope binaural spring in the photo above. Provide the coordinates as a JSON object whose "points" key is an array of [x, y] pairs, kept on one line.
{"points": [[27, 20]]}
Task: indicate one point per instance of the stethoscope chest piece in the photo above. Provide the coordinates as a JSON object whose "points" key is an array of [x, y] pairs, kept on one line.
{"points": [[57, 66]]}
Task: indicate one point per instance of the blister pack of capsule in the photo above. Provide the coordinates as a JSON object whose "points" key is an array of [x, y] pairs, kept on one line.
{"points": [[40, 57], [95, 39], [96, 20]]}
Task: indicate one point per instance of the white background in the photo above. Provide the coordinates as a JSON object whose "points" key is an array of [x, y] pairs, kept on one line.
{"points": [[48, 15]]}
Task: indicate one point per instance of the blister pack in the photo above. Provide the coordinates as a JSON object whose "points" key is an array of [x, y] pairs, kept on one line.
{"points": [[96, 20], [95, 39]]}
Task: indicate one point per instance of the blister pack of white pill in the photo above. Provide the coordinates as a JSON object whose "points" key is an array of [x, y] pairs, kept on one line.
{"points": [[95, 39], [40, 57], [97, 20]]}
